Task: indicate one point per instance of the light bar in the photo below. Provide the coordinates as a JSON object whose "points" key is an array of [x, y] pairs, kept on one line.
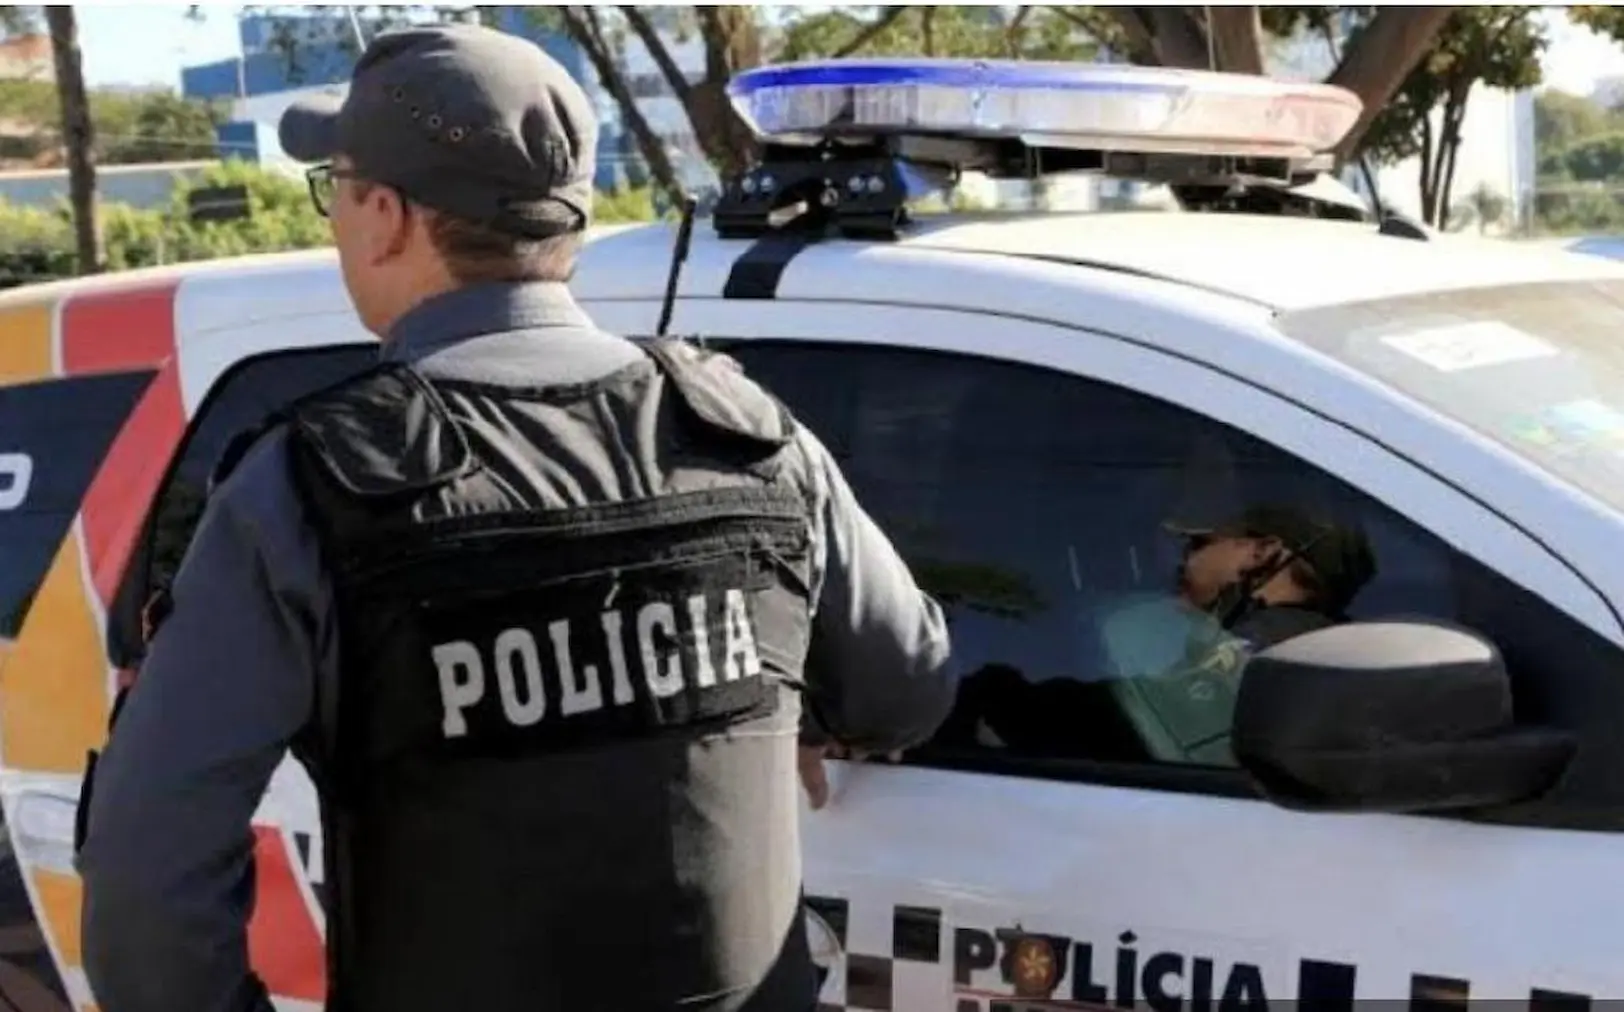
{"points": [[1063, 105]]}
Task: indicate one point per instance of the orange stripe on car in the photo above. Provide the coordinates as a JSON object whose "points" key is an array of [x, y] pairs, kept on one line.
{"points": [[53, 696], [25, 343]]}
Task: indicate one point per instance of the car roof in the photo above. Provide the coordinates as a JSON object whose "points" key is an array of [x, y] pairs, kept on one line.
{"points": [[1281, 263]]}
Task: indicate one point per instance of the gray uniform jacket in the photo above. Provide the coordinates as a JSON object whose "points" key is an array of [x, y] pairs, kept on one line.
{"points": [[228, 680]]}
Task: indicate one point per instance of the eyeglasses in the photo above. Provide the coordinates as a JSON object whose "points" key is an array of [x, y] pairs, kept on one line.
{"points": [[323, 180]]}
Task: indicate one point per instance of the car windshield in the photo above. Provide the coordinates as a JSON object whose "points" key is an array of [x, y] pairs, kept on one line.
{"points": [[1536, 367]]}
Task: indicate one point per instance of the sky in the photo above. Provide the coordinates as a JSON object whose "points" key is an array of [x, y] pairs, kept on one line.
{"points": [[148, 43]]}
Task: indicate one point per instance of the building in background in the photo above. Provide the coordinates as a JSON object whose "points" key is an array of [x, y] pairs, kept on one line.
{"points": [[271, 74]]}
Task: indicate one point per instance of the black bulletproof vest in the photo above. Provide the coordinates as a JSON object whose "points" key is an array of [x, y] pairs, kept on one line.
{"points": [[570, 621]]}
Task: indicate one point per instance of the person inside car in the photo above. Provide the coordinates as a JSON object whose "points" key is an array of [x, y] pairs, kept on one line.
{"points": [[1266, 575], [1174, 661]]}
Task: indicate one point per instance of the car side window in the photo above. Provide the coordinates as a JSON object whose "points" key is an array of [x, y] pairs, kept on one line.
{"points": [[1033, 505], [243, 397]]}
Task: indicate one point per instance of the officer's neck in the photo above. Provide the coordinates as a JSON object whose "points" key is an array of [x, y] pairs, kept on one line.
{"points": [[405, 300]]}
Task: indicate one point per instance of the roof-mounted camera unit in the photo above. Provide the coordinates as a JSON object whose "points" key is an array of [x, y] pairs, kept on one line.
{"points": [[848, 143]]}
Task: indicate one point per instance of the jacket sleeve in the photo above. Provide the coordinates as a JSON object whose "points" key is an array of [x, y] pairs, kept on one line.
{"points": [[227, 683], [878, 673]]}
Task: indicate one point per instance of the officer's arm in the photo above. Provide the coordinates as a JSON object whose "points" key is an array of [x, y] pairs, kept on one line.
{"points": [[226, 684], [878, 665]]}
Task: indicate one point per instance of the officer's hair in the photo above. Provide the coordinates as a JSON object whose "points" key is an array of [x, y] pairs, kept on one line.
{"points": [[473, 253]]}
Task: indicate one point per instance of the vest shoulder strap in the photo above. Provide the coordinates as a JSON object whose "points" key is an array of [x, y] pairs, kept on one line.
{"points": [[720, 396], [386, 432]]}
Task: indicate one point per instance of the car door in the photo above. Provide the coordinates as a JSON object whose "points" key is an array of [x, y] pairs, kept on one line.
{"points": [[66, 698], [1025, 479]]}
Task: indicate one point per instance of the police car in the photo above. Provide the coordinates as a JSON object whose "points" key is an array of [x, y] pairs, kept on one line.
{"points": [[1426, 805]]}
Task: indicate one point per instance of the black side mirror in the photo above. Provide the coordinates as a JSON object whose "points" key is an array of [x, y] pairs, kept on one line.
{"points": [[1395, 716]]}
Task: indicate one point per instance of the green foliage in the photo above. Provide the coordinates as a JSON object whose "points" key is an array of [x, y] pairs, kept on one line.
{"points": [[1498, 46], [1033, 33], [632, 204], [282, 218], [1580, 153], [1594, 159], [155, 127], [1577, 208], [1560, 119], [131, 126], [38, 242], [1605, 20], [1484, 206]]}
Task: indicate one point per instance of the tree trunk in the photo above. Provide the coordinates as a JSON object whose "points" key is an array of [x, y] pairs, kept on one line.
{"points": [[1179, 41], [1380, 57], [78, 134], [1449, 147], [726, 141], [1429, 192], [1237, 39], [732, 43]]}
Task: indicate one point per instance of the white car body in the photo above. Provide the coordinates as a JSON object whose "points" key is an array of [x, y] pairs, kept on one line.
{"points": [[1167, 887]]}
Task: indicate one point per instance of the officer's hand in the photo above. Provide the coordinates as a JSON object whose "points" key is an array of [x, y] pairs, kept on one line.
{"points": [[815, 778]]}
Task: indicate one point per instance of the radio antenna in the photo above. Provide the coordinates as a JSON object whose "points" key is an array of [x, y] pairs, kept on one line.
{"points": [[679, 256]]}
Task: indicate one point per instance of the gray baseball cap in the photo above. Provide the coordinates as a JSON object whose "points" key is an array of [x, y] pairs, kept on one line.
{"points": [[463, 119]]}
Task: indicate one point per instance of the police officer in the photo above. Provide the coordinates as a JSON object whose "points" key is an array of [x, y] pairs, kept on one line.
{"points": [[1271, 572], [529, 601]]}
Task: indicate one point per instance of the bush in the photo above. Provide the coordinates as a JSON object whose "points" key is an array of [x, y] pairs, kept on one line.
{"points": [[131, 126], [281, 218], [633, 204], [1577, 208]]}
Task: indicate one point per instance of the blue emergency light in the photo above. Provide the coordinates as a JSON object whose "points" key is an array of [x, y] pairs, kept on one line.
{"points": [[1099, 107]]}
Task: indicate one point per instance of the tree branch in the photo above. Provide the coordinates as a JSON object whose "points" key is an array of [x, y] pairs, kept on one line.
{"points": [[1428, 195], [582, 25], [1012, 33], [927, 29], [1380, 57], [1449, 146], [79, 131], [1140, 47], [870, 31], [658, 52]]}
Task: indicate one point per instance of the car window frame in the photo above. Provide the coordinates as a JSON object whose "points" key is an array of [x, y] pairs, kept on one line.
{"points": [[123, 635], [1179, 778], [1299, 425], [1074, 350]]}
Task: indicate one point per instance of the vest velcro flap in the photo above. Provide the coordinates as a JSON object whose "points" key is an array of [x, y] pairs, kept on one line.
{"points": [[386, 433], [718, 394]]}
